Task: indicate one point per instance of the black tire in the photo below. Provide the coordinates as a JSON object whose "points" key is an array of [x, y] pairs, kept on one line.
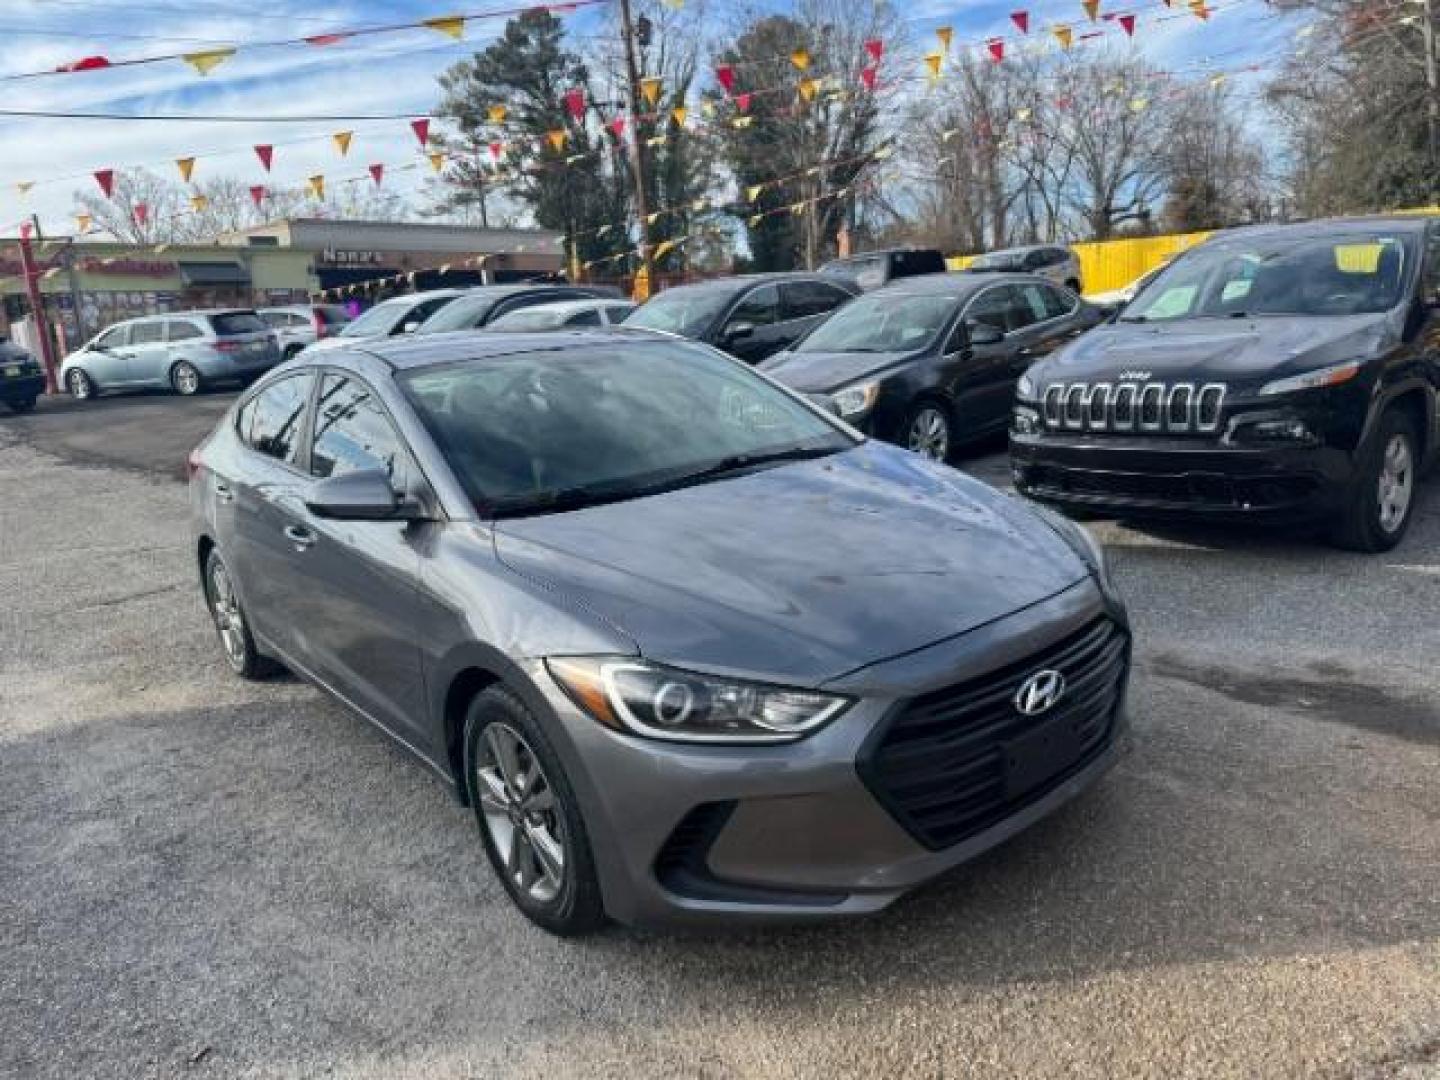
{"points": [[920, 435], [241, 653], [80, 385], [1073, 285], [185, 379], [23, 405], [576, 907], [1368, 523]]}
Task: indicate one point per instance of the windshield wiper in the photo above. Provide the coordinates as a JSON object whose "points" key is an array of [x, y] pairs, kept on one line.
{"points": [[558, 499], [1132, 318], [740, 462]]}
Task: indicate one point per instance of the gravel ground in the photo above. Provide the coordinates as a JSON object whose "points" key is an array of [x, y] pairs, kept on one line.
{"points": [[203, 877]]}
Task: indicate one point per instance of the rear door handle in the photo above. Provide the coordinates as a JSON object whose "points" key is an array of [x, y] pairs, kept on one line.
{"points": [[301, 537], [223, 492]]}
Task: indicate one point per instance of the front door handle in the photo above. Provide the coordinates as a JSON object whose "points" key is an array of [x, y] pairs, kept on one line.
{"points": [[301, 537]]}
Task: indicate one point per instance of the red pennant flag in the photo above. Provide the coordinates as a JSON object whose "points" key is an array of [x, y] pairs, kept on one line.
{"points": [[495, 149], [106, 179], [726, 74], [575, 102], [89, 63], [377, 173], [1062, 103], [1022, 20], [876, 48], [141, 213], [997, 49], [257, 194], [867, 76], [266, 153], [421, 128], [617, 127], [1127, 23], [742, 102]]}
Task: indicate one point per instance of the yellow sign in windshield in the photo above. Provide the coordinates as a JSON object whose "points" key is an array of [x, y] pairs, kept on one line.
{"points": [[1358, 258]]}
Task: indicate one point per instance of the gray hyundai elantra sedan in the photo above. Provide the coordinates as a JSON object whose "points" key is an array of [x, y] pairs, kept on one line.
{"points": [[692, 648]]}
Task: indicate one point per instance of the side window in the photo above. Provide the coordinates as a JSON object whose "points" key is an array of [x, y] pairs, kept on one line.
{"points": [[182, 331], [806, 298], [588, 317], [147, 333], [1034, 306], [991, 308], [276, 415], [1058, 302], [504, 307], [420, 312], [352, 431], [275, 319], [1035, 260], [760, 308], [1025, 306], [114, 338]]}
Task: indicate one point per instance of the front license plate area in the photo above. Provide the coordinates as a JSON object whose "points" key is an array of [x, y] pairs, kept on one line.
{"points": [[1040, 755]]}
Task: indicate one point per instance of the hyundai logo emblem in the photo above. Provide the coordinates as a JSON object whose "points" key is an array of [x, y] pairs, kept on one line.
{"points": [[1040, 692]]}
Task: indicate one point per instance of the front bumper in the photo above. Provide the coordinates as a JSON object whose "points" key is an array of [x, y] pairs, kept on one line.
{"points": [[690, 835], [1159, 476], [21, 387]]}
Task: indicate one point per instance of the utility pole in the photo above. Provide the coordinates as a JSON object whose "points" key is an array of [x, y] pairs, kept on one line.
{"points": [[37, 303], [1432, 88], [637, 144]]}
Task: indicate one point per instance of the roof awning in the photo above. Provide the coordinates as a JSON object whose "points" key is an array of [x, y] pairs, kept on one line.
{"points": [[213, 273]]}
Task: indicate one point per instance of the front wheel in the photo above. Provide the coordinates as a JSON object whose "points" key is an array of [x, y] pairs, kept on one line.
{"points": [[185, 379], [80, 385], [1383, 500], [529, 819], [928, 431]]}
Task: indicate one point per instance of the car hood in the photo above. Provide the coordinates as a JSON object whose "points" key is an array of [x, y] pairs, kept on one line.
{"points": [[802, 572], [325, 344], [822, 372], [1220, 350]]}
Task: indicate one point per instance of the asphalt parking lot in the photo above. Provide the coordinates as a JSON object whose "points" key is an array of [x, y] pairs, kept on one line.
{"points": [[203, 877]]}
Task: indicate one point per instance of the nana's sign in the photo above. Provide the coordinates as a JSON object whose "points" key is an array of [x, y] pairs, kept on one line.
{"points": [[349, 257]]}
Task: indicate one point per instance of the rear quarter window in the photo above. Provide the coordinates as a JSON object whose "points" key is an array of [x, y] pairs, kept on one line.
{"points": [[237, 322]]}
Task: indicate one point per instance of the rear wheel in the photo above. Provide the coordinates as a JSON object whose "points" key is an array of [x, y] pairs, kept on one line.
{"points": [[1383, 500], [1073, 284], [185, 379], [529, 819], [928, 431], [80, 385], [230, 624]]}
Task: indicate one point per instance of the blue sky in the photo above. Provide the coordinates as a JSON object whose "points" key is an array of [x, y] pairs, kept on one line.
{"points": [[381, 73]]}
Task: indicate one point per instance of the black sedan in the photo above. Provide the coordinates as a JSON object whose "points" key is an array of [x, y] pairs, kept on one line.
{"points": [[751, 316], [931, 362], [22, 380]]}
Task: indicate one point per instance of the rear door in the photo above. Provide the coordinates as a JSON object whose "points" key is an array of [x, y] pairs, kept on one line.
{"points": [[146, 358]]}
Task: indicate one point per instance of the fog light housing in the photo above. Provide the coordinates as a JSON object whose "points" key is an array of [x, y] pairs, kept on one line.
{"points": [[1025, 421], [1286, 429]]}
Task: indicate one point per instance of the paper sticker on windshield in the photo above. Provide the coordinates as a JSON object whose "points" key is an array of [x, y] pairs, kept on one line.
{"points": [[1358, 258], [1172, 303]]}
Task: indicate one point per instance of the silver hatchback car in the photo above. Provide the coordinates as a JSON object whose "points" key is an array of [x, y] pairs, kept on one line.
{"points": [[690, 647], [182, 351]]}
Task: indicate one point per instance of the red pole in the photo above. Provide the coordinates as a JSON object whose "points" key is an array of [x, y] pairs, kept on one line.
{"points": [[37, 306]]}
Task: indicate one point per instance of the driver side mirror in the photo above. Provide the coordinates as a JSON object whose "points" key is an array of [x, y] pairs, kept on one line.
{"points": [[738, 331], [410, 327], [360, 496], [983, 333]]}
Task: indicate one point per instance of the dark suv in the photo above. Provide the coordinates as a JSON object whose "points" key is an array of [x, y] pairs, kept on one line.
{"points": [[876, 268], [1273, 373]]}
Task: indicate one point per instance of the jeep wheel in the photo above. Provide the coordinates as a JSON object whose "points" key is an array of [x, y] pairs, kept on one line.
{"points": [[1384, 497]]}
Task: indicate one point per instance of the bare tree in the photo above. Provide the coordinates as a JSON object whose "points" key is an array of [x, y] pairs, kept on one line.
{"points": [[1215, 170]]}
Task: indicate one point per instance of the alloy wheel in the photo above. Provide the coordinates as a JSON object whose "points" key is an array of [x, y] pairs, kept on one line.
{"points": [[929, 434], [1396, 483], [522, 813], [79, 385], [187, 379], [229, 620]]}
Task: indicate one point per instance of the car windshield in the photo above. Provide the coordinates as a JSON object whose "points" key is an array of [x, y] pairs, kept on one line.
{"points": [[686, 311], [544, 431], [881, 322], [1345, 274], [1000, 260], [379, 320], [466, 313]]}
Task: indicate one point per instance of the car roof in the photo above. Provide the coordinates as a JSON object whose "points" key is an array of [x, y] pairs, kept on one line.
{"points": [[1409, 224], [418, 297], [1024, 249], [411, 352], [735, 282], [564, 307], [883, 251]]}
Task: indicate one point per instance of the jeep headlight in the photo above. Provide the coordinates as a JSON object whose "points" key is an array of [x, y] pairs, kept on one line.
{"points": [[1025, 388], [856, 401], [1314, 380], [642, 698]]}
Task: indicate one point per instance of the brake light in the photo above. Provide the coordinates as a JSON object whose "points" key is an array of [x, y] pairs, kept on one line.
{"points": [[319, 324], [227, 346]]}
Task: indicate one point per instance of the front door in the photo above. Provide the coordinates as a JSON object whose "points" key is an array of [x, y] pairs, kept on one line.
{"points": [[988, 389], [108, 357], [752, 330]]}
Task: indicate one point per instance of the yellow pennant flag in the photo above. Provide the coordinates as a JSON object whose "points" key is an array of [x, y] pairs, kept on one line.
{"points": [[82, 222], [800, 58], [1064, 35], [707, 107], [655, 140], [186, 165], [651, 89], [450, 25], [207, 61], [946, 34], [1217, 81], [742, 122], [1022, 115], [808, 87], [932, 63], [557, 139], [198, 203], [753, 192], [316, 184], [678, 114], [437, 160], [1092, 8], [1200, 9], [497, 114], [754, 219], [1139, 104], [24, 186], [342, 141], [663, 248]]}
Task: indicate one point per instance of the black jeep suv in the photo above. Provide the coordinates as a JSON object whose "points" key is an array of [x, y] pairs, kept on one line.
{"points": [[1272, 373]]}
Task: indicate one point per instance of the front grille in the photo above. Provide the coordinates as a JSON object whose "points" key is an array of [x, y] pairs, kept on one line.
{"points": [[938, 764], [1170, 408]]}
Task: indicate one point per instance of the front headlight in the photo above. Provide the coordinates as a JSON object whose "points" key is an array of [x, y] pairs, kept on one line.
{"points": [[1313, 380], [1025, 388], [856, 400], [641, 698]]}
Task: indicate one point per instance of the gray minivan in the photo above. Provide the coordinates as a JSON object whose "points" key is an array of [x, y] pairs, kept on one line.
{"points": [[183, 350]]}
